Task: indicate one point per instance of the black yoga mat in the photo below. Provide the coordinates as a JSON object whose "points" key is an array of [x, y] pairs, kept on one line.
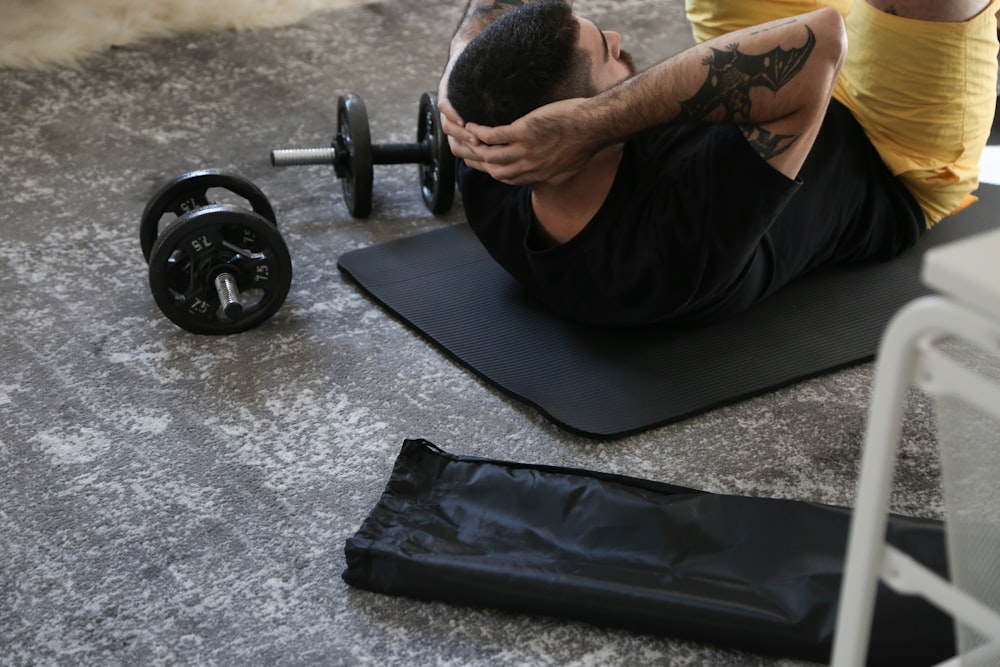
{"points": [[609, 383], [757, 574]]}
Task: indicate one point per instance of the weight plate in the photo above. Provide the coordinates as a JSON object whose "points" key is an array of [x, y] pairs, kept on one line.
{"points": [[190, 191], [354, 140], [437, 178], [200, 245]]}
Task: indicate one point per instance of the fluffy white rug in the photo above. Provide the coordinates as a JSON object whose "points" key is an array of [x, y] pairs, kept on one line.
{"points": [[38, 33]]}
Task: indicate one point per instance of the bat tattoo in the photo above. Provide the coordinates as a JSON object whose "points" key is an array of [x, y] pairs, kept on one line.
{"points": [[731, 75]]}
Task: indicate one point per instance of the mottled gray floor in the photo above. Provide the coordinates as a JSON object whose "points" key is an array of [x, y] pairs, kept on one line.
{"points": [[167, 498]]}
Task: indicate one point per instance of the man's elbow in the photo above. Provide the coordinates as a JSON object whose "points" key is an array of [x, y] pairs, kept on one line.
{"points": [[831, 38]]}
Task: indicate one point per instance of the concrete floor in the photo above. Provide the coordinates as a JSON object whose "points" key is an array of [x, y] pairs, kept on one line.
{"points": [[167, 498]]}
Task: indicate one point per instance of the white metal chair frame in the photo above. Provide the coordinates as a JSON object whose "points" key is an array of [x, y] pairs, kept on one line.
{"points": [[907, 357]]}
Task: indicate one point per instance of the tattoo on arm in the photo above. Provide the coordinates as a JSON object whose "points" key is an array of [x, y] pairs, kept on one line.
{"points": [[766, 144], [732, 73]]}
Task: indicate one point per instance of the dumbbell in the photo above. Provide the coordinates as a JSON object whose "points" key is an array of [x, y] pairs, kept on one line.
{"points": [[214, 268], [352, 154]]}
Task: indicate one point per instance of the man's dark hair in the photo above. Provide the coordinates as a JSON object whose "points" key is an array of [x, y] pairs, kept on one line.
{"points": [[525, 59]]}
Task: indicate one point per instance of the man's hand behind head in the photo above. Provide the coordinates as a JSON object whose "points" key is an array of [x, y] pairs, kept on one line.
{"points": [[540, 147]]}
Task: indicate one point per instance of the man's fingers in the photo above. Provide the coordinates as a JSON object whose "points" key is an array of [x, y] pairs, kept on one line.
{"points": [[457, 132], [500, 173], [479, 166], [449, 115], [492, 135], [462, 150], [502, 155], [455, 145], [487, 149], [494, 155], [453, 125]]}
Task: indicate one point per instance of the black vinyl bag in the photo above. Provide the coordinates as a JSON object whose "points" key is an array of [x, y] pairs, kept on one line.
{"points": [[757, 574]]}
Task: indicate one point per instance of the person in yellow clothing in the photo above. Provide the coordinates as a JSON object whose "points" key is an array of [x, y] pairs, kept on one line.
{"points": [[795, 135], [919, 76]]}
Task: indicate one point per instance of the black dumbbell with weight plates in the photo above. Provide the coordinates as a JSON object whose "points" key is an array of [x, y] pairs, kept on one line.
{"points": [[352, 154], [215, 268]]}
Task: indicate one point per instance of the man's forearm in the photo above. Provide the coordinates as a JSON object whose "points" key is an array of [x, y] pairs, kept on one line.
{"points": [[773, 80]]}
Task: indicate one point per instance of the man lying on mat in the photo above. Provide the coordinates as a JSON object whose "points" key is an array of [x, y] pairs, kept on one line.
{"points": [[701, 185]]}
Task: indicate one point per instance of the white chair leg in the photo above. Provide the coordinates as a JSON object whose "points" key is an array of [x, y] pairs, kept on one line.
{"points": [[893, 375]]}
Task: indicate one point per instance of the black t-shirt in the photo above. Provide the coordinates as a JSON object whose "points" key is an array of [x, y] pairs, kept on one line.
{"points": [[698, 227]]}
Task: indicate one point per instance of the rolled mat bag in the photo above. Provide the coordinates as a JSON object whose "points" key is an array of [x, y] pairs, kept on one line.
{"points": [[756, 574]]}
